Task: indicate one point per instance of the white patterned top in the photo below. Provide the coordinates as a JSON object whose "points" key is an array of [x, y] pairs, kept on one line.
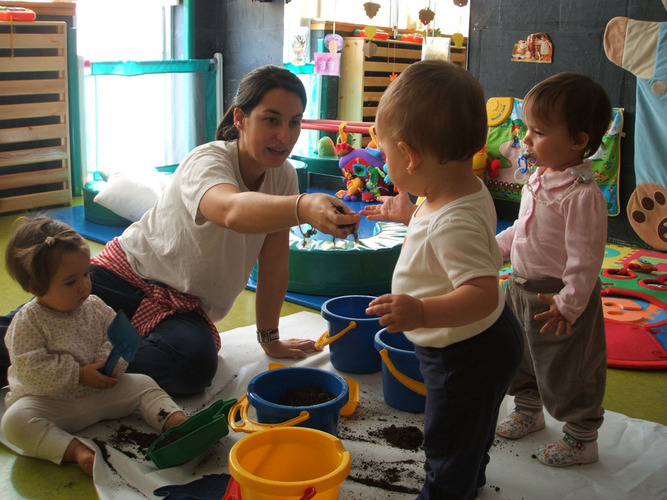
{"points": [[47, 348]]}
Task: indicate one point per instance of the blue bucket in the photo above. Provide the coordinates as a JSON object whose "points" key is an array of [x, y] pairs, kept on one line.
{"points": [[350, 335], [266, 390], [402, 381]]}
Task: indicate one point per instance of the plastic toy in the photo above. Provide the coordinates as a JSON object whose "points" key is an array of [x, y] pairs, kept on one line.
{"points": [[483, 165], [16, 14], [379, 34], [414, 37], [326, 147], [479, 163], [366, 179]]}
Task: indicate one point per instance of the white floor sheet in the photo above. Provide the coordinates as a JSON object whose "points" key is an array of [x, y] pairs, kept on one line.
{"points": [[633, 453]]}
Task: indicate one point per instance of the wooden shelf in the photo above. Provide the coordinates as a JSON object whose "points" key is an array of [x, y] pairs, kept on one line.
{"points": [[34, 128], [363, 79]]}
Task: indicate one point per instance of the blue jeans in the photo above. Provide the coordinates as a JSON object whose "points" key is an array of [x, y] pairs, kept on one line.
{"points": [[179, 354], [465, 384]]}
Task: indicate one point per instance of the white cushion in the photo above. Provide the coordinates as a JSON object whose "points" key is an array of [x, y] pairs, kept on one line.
{"points": [[131, 194]]}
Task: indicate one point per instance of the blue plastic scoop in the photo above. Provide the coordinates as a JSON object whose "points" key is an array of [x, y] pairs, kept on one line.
{"points": [[124, 338]]}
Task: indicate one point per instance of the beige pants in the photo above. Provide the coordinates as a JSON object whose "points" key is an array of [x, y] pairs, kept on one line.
{"points": [[41, 426], [567, 374]]}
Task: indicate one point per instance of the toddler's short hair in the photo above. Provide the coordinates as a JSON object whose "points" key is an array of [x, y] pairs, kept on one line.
{"points": [[35, 249], [438, 107], [576, 100]]}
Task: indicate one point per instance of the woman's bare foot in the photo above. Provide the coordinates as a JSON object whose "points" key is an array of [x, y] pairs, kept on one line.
{"points": [[78, 453], [176, 418]]}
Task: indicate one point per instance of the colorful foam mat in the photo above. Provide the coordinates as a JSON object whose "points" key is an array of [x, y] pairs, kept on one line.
{"points": [[634, 289]]}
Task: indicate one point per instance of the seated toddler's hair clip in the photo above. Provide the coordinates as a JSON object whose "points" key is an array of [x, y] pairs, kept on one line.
{"points": [[49, 241]]}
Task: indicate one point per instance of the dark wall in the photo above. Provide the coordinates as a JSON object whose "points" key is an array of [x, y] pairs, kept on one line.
{"points": [[248, 34], [576, 29]]}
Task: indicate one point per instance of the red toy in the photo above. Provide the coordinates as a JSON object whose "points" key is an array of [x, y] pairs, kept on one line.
{"points": [[16, 14]]}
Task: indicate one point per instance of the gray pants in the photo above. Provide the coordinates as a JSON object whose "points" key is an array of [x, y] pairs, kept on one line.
{"points": [[567, 374]]}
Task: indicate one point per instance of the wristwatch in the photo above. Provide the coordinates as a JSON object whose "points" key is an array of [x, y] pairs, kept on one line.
{"points": [[267, 336]]}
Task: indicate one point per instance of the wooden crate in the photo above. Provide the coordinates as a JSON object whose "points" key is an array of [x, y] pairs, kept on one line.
{"points": [[34, 128], [363, 79]]}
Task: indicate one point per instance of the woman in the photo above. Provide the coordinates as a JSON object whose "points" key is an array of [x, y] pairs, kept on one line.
{"points": [[231, 204]]}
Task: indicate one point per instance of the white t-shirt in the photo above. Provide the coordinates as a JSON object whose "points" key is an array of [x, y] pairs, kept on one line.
{"points": [[47, 348], [174, 244], [444, 249]]}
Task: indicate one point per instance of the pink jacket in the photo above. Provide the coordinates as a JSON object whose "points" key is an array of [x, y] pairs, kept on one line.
{"points": [[565, 239]]}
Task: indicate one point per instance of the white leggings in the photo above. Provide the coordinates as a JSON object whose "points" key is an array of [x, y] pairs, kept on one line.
{"points": [[41, 426]]}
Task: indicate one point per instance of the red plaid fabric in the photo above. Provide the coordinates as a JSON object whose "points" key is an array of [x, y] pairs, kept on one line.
{"points": [[160, 301]]}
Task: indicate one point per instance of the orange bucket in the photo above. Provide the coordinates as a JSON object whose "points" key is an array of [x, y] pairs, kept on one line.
{"points": [[289, 463]]}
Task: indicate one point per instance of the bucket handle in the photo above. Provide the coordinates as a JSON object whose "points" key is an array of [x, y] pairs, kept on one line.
{"points": [[324, 340], [247, 425], [410, 383]]}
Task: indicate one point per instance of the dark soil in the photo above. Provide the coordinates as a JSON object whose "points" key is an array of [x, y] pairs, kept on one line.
{"points": [[105, 454], [379, 475], [127, 435], [308, 395], [406, 438], [172, 437]]}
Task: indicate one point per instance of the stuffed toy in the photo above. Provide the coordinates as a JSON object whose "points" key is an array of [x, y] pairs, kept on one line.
{"points": [[641, 48]]}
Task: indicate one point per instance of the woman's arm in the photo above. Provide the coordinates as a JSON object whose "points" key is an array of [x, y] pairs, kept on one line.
{"points": [[252, 212], [272, 279]]}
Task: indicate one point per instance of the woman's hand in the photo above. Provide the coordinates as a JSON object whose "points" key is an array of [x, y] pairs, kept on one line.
{"points": [[397, 208], [398, 312], [290, 348], [553, 317], [328, 214], [90, 376]]}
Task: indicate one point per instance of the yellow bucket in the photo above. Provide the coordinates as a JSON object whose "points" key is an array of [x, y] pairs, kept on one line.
{"points": [[286, 463]]}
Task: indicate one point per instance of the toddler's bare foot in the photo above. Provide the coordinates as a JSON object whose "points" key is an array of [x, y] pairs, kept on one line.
{"points": [[174, 419], [80, 454]]}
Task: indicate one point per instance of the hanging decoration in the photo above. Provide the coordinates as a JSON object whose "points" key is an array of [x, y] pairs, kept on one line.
{"points": [[369, 47], [460, 3], [328, 63], [426, 15], [371, 9], [433, 46], [458, 38]]}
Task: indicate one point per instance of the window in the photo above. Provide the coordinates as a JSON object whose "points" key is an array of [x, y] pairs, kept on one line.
{"points": [[142, 108], [124, 29]]}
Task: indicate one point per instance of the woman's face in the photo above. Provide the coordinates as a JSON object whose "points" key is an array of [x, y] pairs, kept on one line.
{"points": [[268, 134]]}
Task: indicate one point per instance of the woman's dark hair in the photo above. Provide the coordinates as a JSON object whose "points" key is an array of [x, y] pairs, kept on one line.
{"points": [[251, 91]]}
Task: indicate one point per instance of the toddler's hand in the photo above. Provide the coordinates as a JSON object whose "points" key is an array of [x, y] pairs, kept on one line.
{"points": [[397, 208], [90, 376], [553, 317], [398, 312]]}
